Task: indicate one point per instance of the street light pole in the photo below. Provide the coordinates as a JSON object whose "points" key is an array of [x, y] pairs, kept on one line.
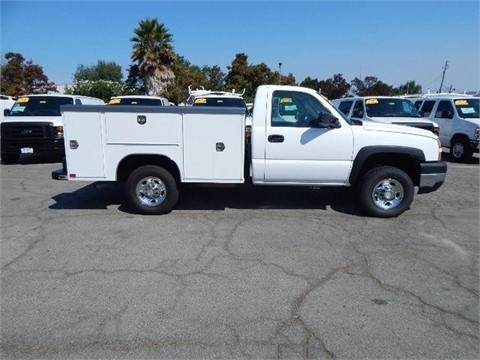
{"points": [[280, 72]]}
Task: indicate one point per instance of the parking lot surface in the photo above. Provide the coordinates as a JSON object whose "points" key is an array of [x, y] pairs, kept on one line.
{"points": [[236, 272]]}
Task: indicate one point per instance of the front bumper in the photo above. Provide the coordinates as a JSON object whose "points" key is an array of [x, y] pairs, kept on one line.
{"points": [[432, 176], [475, 144], [37, 146]]}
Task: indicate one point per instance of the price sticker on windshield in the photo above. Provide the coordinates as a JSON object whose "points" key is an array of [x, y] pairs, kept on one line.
{"points": [[461, 102], [114, 101], [371, 101], [201, 101], [23, 100]]}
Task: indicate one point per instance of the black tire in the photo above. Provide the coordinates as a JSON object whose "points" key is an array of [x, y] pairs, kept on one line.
{"points": [[386, 192], [10, 158], [151, 190], [460, 150]]}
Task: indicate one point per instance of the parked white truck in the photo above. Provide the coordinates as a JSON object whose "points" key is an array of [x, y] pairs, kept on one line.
{"points": [[155, 149], [34, 125]]}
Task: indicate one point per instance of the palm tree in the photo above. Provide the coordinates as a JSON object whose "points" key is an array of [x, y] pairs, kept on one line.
{"points": [[154, 55]]}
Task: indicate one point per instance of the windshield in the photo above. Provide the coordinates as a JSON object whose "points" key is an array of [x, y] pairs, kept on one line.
{"points": [[390, 107], [39, 106], [467, 108], [220, 101], [135, 101]]}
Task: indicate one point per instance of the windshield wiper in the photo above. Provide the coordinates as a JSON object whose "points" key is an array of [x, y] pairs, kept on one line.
{"points": [[381, 115]]}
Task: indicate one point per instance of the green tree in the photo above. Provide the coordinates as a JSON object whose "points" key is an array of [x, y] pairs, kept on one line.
{"points": [[102, 80], [215, 77], [288, 80], [410, 87], [134, 81], [20, 77], [154, 55], [101, 89], [242, 76], [186, 75], [311, 83], [236, 78], [370, 86], [103, 70], [335, 87]]}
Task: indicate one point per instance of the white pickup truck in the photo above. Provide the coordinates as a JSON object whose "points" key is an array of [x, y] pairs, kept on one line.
{"points": [[297, 138]]}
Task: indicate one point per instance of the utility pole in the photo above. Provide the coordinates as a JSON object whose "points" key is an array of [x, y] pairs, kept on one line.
{"points": [[443, 75]]}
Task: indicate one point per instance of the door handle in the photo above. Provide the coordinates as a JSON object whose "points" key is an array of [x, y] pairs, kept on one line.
{"points": [[276, 138]]}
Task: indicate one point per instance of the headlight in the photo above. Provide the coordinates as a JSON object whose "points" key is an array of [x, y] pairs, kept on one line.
{"points": [[58, 132], [439, 149], [477, 133]]}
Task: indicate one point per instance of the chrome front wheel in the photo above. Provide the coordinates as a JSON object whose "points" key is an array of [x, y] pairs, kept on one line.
{"points": [[388, 194], [386, 191]]}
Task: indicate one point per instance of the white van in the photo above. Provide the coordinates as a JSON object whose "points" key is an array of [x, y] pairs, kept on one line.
{"points": [[386, 109], [459, 121], [34, 125]]}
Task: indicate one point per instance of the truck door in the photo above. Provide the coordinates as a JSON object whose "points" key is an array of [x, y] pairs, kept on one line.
{"points": [[444, 117], [298, 152], [83, 143]]}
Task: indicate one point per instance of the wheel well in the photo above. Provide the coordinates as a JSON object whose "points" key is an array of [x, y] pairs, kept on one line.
{"points": [[459, 137], [132, 162], [408, 163]]}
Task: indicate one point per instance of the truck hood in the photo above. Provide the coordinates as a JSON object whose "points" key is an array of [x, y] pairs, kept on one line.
{"points": [[475, 121], [56, 120], [403, 129], [401, 119]]}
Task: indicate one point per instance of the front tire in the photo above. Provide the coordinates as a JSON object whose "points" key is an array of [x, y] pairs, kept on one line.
{"points": [[151, 190], [386, 192], [10, 158], [460, 150]]}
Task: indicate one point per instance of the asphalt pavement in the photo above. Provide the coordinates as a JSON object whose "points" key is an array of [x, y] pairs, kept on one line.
{"points": [[236, 272]]}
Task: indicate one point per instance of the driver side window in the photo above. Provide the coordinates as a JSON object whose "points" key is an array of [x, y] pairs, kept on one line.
{"points": [[358, 109], [295, 109], [444, 110]]}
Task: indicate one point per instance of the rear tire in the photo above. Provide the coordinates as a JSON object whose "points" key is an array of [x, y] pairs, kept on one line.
{"points": [[386, 192], [10, 158], [151, 190]]}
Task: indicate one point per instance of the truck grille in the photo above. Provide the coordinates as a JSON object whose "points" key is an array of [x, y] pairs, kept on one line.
{"points": [[27, 130]]}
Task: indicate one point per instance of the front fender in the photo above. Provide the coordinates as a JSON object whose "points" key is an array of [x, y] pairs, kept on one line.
{"points": [[372, 156]]}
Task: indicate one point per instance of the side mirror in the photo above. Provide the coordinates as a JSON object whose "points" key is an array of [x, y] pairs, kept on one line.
{"points": [[325, 120], [357, 113], [6, 112], [448, 114]]}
